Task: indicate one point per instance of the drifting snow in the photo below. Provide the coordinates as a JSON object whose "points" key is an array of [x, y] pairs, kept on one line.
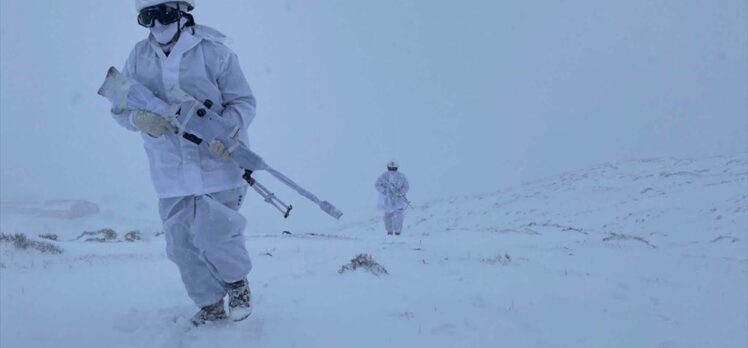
{"points": [[637, 254]]}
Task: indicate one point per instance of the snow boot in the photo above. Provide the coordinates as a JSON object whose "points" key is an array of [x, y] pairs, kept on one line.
{"points": [[210, 313], [240, 306]]}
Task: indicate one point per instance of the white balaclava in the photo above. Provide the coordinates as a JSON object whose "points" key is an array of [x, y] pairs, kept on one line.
{"points": [[167, 34]]}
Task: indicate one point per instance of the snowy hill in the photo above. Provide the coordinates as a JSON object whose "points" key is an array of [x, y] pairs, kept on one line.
{"points": [[644, 253], [668, 201]]}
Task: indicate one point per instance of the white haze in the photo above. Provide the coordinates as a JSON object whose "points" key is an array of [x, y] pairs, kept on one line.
{"points": [[470, 96]]}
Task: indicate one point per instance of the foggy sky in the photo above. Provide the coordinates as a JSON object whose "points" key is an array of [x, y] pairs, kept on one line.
{"points": [[470, 97]]}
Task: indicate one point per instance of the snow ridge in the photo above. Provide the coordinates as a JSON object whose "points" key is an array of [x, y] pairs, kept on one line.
{"points": [[643, 253]]}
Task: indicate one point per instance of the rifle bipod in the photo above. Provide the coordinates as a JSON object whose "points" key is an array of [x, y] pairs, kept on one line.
{"points": [[267, 196]]}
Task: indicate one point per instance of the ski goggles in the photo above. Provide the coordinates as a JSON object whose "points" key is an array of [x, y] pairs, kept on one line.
{"points": [[164, 14]]}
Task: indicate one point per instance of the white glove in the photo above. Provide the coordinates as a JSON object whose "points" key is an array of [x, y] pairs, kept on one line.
{"points": [[218, 150], [151, 123]]}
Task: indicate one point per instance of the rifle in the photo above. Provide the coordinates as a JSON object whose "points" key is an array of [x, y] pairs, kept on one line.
{"points": [[197, 123]]}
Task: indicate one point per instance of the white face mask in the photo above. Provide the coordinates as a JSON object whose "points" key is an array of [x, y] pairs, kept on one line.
{"points": [[165, 33]]}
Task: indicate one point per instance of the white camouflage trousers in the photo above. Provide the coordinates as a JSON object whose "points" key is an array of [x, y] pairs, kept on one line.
{"points": [[204, 238], [393, 221]]}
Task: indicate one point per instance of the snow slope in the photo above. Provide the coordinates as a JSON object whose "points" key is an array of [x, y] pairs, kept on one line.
{"points": [[645, 253]]}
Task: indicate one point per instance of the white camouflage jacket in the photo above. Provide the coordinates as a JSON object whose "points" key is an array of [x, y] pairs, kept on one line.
{"points": [[201, 65], [392, 187]]}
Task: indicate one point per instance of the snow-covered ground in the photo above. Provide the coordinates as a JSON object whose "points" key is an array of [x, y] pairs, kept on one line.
{"points": [[645, 253]]}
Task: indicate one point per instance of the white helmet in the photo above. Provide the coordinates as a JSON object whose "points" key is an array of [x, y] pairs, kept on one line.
{"points": [[392, 164], [141, 4]]}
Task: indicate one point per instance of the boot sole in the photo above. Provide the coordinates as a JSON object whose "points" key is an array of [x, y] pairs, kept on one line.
{"points": [[240, 316]]}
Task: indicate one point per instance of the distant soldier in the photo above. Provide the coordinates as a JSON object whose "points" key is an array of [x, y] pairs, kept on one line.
{"points": [[392, 187]]}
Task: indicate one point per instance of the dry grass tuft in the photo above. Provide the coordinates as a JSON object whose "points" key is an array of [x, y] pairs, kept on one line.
{"points": [[366, 262], [21, 242]]}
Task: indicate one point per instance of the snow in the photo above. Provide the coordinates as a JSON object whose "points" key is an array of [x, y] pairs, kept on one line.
{"points": [[641, 253], [470, 98]]}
